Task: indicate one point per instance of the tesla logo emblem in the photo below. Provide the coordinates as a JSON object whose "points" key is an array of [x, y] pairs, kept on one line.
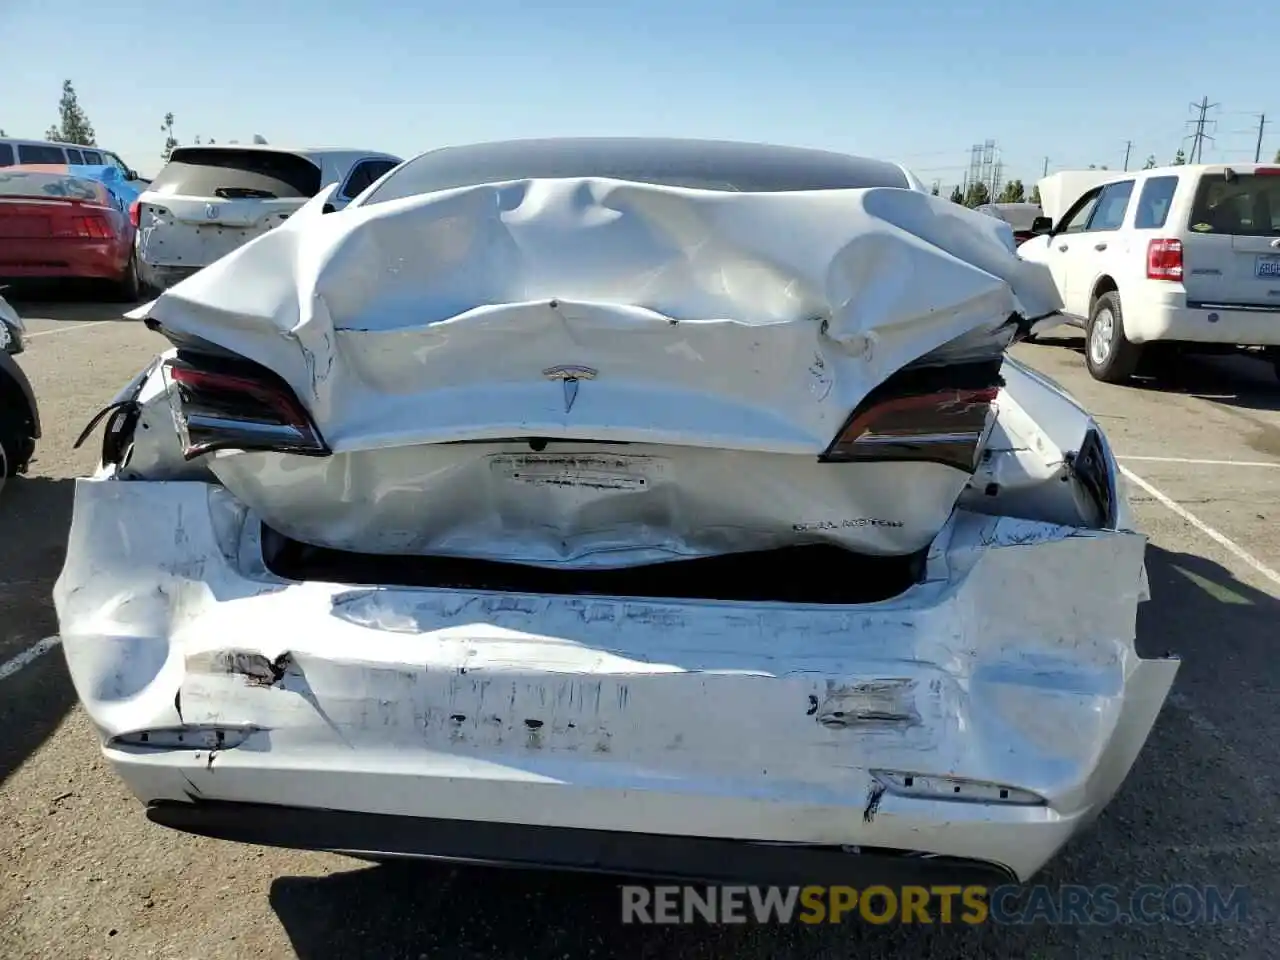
{"points": [[569, 375], [210, 211]]}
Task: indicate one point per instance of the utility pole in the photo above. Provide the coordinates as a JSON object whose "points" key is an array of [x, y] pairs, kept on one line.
{"points": [[1199, 137], [1262, 125], [1046, 167], [1128, 145]]}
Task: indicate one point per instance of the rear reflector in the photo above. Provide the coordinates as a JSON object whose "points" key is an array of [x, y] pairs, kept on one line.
{"points": [[1164, 260], [221, 404], [931, 422]]}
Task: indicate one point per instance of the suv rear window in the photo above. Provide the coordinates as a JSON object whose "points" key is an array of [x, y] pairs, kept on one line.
{"points": [[1247, 205], [29, 153], [237, 174]]}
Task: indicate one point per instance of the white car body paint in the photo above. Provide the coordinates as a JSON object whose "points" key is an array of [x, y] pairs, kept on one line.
{"points": [[987, 712]]}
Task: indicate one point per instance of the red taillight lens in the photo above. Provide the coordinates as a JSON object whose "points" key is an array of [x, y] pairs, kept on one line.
{"points": [[82, 228], [135, 213], [1164, 260], [944, 424], [220, 404], [1267, 172]]}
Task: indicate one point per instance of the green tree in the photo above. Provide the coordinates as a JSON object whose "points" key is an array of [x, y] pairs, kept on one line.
{"points": [[1151, 162], [977, 195], [1013, 192], [1276, 160], [73, 125], [1035, 195], [1179, 158], [957, 195], [166, 127]]}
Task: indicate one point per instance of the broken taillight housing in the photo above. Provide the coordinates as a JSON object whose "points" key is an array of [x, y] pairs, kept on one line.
{"points": [[223, 404], [931, 414]]}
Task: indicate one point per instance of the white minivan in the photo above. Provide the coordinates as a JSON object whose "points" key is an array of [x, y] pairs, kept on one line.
{"points": [[211, 199], [14, 152], [1185, 255]]}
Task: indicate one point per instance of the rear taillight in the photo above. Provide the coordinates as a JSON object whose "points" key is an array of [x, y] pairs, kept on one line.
{"points": [[221, 404], [1164, 260], [135, 212], [1267, 172], [84, 228], [919, 416]]}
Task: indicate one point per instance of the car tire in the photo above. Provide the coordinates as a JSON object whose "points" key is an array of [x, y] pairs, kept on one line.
{"points": [[1110, 356], [129, 287], [16, 443]]}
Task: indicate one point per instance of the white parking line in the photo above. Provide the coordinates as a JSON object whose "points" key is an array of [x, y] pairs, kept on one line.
{"points": [[78, 326], [10, 667], [1222, 540], [1210, 463]]}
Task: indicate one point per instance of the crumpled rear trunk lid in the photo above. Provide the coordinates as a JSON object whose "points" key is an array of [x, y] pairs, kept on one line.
{"points": [[714, 343]]}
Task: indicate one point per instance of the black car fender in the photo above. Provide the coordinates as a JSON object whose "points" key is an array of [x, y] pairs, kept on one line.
{"points": [[15, 386]]}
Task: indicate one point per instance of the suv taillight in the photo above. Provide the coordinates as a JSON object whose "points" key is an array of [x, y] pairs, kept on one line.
{"points": [[236, 404], [933, 415], [135, 213], [1164, 260]]}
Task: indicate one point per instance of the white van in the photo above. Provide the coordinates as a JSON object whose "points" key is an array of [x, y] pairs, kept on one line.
{"points": [[1186, 255], [208, 200], [14, 152]]}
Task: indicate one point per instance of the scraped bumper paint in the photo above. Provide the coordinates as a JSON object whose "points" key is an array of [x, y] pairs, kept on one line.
{"points": [[986, 714]]}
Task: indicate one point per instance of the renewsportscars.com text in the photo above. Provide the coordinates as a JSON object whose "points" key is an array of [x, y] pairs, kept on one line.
{"points": [[1183, 904]]}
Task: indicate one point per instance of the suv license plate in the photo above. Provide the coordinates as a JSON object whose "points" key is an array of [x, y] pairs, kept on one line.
{"points": [[1268, 266]]}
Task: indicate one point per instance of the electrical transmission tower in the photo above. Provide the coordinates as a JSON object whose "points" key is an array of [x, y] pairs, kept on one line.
{"points": [[1199, 136]]}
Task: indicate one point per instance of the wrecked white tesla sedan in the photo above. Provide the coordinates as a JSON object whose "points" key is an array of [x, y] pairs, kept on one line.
{"points": [[665, 507]]}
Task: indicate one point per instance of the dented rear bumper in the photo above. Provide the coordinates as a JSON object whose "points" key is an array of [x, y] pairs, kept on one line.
{"points": [[985, 715]]}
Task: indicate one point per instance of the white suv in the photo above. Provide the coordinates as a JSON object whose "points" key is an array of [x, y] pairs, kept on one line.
{"points": [[211, 199], [1186, 255]]}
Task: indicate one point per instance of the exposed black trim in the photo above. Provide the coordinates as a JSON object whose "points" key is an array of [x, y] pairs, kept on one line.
{"points": [[697, 859], [1245, 307], [10, 370]]}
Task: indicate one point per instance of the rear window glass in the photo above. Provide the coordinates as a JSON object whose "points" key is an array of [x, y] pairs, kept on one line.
{"points": [[702, 165], [74, 156], [6, 155], [28, 153], [1245, 206], [238, 174], [93, 158], [41, 186]]}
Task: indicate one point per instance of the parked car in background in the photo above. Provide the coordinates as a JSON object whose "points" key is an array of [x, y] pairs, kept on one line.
{"points": [[14, 152], [549, 505], [208, 200], [1184, 257], [58, 225], [19, 416], [1021, 217]]}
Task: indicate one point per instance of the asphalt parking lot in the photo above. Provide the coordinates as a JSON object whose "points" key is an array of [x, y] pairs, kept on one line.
{"points": [[85, 874]]}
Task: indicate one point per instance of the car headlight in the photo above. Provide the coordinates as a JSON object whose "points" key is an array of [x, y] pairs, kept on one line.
{"points": [[10, 338]]}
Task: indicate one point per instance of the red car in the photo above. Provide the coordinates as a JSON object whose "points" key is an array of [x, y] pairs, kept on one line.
{"points": [[56, 225]]}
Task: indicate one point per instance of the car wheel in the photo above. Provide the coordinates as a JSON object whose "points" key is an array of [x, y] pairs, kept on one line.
{"points": [[16, 444], [129, 287], [1108, 353]]}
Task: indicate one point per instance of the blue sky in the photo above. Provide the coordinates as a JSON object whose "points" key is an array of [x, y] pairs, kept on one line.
{"points": [[914, 80]]}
